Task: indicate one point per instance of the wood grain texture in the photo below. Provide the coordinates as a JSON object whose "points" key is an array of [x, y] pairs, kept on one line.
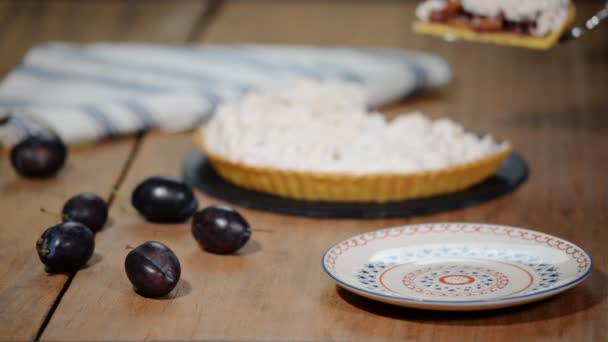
{"points": [[26, 291], [551, 105]]}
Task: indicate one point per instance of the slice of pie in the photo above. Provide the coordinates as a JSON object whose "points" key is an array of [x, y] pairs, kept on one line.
{"points": [[534, 24], [317, 141]]}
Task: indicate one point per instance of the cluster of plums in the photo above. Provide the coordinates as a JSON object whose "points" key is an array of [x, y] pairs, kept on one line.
{"points": [[152, 267], [67, 246], [218, 229]]}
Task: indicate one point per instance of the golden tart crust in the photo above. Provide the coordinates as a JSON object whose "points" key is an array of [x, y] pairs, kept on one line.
{"points": [[345, 187]]}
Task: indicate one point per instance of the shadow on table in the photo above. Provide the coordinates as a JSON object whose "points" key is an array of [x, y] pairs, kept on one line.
{"points": [[182, 289], [95, 259], [109, 224], [252, 246], [582, 297]]}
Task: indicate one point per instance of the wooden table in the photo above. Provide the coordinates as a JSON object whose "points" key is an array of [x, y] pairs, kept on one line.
{"points": [[552, 105]]}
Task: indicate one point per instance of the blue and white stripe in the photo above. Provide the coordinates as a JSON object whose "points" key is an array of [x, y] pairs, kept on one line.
{"points": [[89, 92]]}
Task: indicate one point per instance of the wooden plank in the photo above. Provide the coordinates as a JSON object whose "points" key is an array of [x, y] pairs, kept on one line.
{"points": [[550, 105], [26, 291], [276, 289]]}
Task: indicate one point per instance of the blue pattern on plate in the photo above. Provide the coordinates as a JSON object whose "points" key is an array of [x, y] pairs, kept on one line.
{"points": [[547, 273]]}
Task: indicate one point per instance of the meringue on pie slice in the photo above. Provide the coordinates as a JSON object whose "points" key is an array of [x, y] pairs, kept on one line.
{"points": [[534, 24], [317, 141]]}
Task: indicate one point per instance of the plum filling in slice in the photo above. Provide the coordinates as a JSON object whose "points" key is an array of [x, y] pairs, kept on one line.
{"points": [[455, 15]]}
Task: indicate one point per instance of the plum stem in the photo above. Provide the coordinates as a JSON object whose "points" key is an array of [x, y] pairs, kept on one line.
{"points": [[129, 247], [53, 213], [44, 251]]}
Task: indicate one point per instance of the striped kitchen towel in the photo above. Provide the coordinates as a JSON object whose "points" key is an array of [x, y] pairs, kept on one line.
{"points": [[90, 92]]}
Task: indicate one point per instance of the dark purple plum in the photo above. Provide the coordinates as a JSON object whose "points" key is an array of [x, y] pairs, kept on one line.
{"points": [[220, 229], [38, 156], [153, 269], [88, 209], [65, 247], [164, 200]]}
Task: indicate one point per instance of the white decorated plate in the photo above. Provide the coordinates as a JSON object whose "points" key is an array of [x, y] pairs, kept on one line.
{"points": [[456, 266]]}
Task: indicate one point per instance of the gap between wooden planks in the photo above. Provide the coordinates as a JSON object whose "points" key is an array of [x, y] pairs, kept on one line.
{"points": [[28, 296]]}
